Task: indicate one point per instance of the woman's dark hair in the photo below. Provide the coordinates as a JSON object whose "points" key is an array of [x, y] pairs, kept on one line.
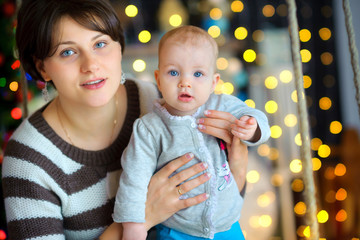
{"points": [[37, 18]]}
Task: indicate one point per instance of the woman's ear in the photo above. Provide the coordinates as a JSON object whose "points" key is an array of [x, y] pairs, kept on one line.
{"points": [[39, 64]]}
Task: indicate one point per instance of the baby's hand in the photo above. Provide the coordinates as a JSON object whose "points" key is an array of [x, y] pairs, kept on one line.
{"points": [[134, 231], [245, 128]]}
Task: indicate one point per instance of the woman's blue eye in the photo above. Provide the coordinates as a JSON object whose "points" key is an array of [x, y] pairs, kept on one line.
{"points": [[67, 53], [100, 45], [198, 74], [174, 73]]}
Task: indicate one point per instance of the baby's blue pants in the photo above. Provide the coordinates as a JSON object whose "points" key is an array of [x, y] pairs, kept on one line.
{"points": [[165, 233]]}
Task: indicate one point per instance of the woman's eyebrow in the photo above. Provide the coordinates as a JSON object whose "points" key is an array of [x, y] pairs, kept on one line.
{"points": [[72, 42]]}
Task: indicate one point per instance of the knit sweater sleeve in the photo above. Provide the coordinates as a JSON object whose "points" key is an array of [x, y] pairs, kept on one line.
{"points": [[26, 183], [139, 163]]}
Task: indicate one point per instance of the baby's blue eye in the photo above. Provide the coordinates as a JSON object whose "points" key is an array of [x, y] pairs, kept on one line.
{"points": [[198, 74], [174, 73], [100, 45], [67, 53]]}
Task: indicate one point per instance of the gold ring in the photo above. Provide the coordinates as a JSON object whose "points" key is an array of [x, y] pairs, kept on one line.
{"points": [[179, 190]]}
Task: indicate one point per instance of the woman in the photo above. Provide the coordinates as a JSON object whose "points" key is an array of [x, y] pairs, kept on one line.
{"points": [[62, 165]]}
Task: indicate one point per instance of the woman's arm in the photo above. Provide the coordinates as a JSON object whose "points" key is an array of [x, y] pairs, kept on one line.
{"points": [[163, 197]]}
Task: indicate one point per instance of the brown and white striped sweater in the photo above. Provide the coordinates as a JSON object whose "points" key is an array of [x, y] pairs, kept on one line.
{"points": [[54, 190]]}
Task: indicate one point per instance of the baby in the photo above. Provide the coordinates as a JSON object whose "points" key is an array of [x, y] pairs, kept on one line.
{"points": [[186, 77]]}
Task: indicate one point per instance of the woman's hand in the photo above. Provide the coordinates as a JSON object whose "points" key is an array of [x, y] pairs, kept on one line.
{"points": [[220, 125], [163, 196]]}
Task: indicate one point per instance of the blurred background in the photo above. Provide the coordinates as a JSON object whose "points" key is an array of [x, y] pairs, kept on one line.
{"points": [[255, 65]]}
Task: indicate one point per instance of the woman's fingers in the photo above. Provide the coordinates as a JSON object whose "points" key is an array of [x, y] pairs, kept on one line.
{"points": [[185, 203], [185, 174], [172, 166], [193, 183]]}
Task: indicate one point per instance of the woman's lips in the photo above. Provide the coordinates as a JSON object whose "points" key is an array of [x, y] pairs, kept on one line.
{"points": [[94, 84]]}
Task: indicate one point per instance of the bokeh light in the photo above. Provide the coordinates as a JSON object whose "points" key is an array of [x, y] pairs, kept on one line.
{"points": [[271, 82], [131, 11], [139, 65], [249, 55], [295, 166], [175, 20], [237, 6], [271, 106], [214, 31], [305, 35], [241, 33], [276, 131], [144, 36], [305, 55]]}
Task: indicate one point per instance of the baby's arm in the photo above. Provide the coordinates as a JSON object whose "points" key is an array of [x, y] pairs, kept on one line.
{"points": [[134, 231], [246, 128]]}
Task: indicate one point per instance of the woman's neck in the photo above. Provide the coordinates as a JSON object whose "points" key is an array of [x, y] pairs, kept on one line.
{"points": [[88, 127]]}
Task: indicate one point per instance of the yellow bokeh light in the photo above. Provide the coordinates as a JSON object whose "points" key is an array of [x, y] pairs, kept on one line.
{"points": [[316, 164], [307, 232], [271, 82], [295, 166], [300, 231], [271, 106], [265, 221], [241, 33], [340, 170], [14, 86], [258, 36], [268, 10], [215, 13], [249, 55], [325, 103], [250, 103], [326, 58], [254, 221], [294, 96], [300, 208], [139, 65], [144, 36], [175, 20], [274, 154], [218, 87], [325, 34], [341, 194], [305, 55], [305, 35], [290, 120], [237, 6], [315, 143], [341, 216], [263, 200], [277, 180], [324, 151], [214, 31], [322, 216], [227, 88], [263, 150], [297, 185], [276, 131], [298, 139], [335, 127], [307, 81], [131, 11], [253, 176], [222, 63], [286, 76]]}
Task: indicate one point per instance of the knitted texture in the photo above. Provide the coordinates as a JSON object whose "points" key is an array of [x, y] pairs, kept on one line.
{"points": [[54, 190]]}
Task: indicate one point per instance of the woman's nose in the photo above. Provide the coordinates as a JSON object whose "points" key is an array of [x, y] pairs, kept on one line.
{"points": [[89, 63]]}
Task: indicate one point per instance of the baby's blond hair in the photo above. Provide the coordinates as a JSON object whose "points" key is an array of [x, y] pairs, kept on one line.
{"points": [[191, 34]]}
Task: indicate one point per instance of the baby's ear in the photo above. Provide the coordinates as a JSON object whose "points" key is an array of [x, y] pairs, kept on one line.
{"points": [[216, 79], [157, 78]]}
